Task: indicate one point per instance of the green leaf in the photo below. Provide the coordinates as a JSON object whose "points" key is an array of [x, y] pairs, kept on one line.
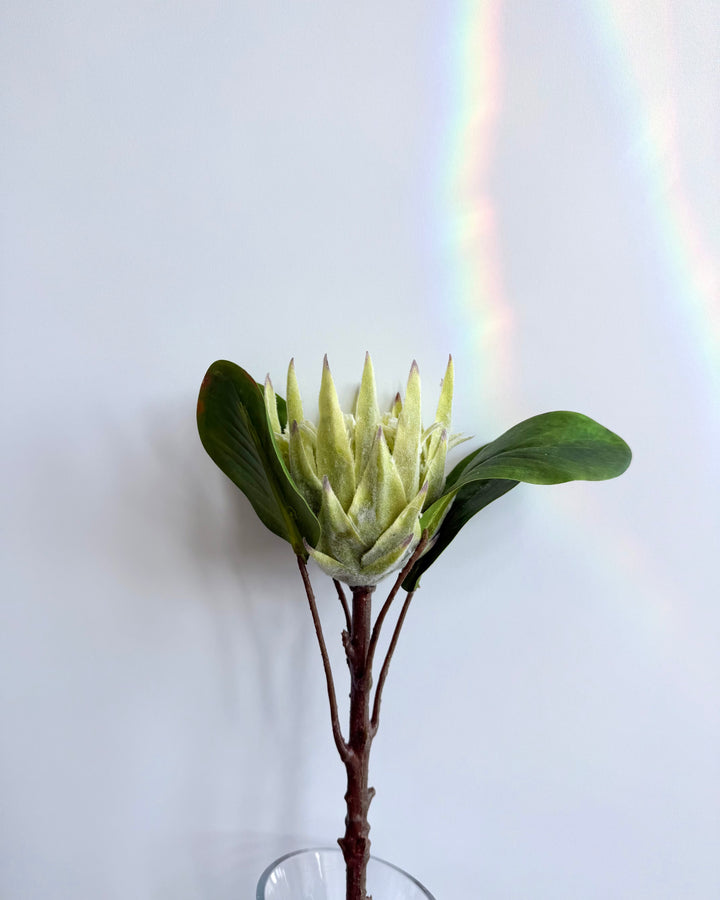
{"points": [[433, 516], [551, 448], [548, 449], [469, 500], [233, 425], [455, 474]]}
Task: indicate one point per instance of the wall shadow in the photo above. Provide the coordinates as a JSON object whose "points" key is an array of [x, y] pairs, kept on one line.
{"points": [[180, 528]]}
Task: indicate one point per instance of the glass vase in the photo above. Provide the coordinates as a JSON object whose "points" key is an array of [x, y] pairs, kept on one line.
{"points": [[319, 874]]}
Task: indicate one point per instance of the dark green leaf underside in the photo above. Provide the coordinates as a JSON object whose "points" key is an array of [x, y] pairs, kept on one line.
{"points": [[234, 430]]}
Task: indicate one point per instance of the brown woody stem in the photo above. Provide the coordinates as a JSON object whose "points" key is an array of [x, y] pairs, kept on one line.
{"points": [[343, 601], [355, 844], [342, 747], [391, 596], [375, 720], [360, 641]]}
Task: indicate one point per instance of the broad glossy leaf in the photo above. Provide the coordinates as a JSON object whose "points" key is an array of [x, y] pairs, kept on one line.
{"points": [[234, 430], [550, 448], [455, 473]]}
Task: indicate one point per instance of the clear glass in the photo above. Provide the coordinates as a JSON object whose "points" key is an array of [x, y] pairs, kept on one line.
{"points": [[320, 875]]}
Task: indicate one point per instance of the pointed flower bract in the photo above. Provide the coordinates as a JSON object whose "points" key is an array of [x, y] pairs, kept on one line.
{"points": [[367, 476]]}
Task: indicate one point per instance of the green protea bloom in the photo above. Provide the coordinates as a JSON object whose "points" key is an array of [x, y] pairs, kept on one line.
{"points": [[366, 476]]}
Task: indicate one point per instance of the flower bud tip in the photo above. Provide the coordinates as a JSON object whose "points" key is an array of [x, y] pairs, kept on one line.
{"points": [[326, 364], [294, 427], [327, 487]]}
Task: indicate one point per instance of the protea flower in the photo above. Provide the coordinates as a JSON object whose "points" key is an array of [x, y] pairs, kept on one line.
{"points": [[366, 476]]}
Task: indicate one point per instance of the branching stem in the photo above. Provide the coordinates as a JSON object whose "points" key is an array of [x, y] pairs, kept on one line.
{"points": [[375, 719], [343, 601], [360, 640], [342, 746], [391, 596]]}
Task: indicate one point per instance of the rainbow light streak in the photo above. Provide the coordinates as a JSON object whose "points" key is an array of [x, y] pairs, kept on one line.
{"points": [[619, 555], [485, 317], [618, 558], [645, 81]]}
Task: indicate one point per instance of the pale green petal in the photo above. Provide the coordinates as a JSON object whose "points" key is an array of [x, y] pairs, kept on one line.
{"points": [[292, 397], [406, 447], [435, 428], [350, 429], [396, 406], [309, 435], [283, 446], [367, 417], [444, 409], [334, 568], [302, 467], [389, 426], [435, 472], [430, 440], [333, 456], [393, 560], [338, 536], [380, 496], [271, 406], [443, 416], [405, 525], [457, 438]]}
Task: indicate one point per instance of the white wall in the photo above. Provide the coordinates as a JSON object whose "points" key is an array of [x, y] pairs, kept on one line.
{"points": [[533, 187]]}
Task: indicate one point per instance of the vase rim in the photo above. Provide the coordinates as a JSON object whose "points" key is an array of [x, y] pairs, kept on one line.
{"points": [[334, 850]]}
